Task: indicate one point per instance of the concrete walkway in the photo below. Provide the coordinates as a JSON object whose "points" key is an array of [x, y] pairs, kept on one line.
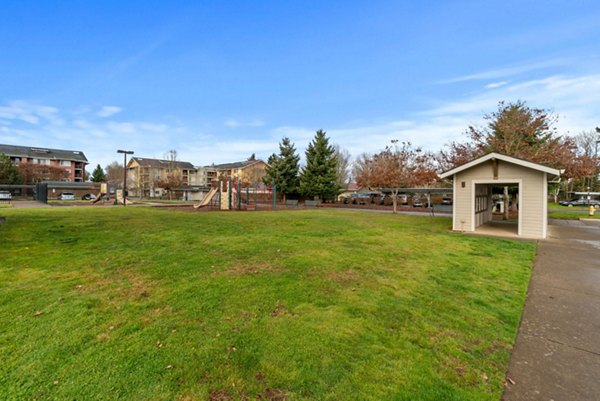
{"points": [[22, 204], [557, 353]]}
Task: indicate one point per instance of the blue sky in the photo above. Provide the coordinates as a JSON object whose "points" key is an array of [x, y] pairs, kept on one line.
{"points": [[218, 81]]}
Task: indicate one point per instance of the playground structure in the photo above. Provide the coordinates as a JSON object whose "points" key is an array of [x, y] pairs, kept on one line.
{"points": [[232, 194], [104, 194], [101, 195]]}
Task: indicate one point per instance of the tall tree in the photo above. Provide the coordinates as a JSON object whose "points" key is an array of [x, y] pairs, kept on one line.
{"points": [[170, 182], [362, 169], [284, 168], [272, 170], [319, 176], [98, 174], [252, 157], [343, 166], [33, 173], [583, 171], [398, 166], [516, 130], [173, 177], [114, 173], [9, 173]]}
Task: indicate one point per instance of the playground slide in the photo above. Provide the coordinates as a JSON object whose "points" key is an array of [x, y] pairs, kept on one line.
{"points": [[98, 198], [120, 198], [207, 198]]}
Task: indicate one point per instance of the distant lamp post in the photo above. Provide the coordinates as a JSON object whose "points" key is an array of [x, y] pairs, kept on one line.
{"points": [[596, 155], [125, 153]]}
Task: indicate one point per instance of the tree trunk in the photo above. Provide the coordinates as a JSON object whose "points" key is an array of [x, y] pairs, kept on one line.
{"points": [[506, 213], [395, 200]]}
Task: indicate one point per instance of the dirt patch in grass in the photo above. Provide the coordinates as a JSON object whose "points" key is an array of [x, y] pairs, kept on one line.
{"points": [[252, 268], [269, 394], [220, 395], [346, 276], [272, 394], [279, 310]]}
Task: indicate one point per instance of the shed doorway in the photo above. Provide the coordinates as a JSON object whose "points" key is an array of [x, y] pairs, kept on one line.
{"points": [[496, 208]]}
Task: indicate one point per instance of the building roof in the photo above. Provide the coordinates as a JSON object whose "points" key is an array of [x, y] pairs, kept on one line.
{"points": [[499, 156], [159, 163], [229, 166], [43, 153]]}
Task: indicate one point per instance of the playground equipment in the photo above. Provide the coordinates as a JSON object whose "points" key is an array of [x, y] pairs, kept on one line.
{"points": [[120, 200], [101, 195], [206, 200], [230, 193]]}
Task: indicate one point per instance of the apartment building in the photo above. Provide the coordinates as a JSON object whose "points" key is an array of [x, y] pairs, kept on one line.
{"points": [[144, 175], [205, 176], [248, 172], [73, 162]]}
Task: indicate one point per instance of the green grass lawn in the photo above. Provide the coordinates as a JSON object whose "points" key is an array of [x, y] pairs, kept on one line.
{"points": [[556, 211], [572, 214], [151, 304]]}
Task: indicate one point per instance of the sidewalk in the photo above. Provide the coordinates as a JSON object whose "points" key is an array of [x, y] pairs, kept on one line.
{"points": [[21, 204], [557, 352]]}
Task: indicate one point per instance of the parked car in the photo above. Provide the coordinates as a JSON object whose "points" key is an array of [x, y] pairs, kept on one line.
{"points": [[88, 197], [5, 196], [446, 201], [566, 202], [417, 203], [580, 202], [67, 196]]}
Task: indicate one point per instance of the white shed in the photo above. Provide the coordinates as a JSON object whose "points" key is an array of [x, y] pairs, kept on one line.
{"points": [[472, 193]]}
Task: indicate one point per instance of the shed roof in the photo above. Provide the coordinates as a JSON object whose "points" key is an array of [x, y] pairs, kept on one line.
{"points": [[499, 156], [44, 153]]}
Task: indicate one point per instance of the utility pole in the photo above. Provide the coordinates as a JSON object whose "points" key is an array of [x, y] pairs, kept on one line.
{"points": [[125, 153]]}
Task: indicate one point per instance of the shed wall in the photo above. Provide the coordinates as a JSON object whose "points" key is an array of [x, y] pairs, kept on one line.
{"points": [[532, 197]]}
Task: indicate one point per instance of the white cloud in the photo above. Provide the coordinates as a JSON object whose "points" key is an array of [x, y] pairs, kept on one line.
{"points": [[30, 113], [107, 111], [233, 123], [495, 85], [576, 100], [31, 124], [506, 71]]}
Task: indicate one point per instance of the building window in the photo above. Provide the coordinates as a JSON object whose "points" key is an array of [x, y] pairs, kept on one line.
{"points": [[481, 203], [66, 163]]}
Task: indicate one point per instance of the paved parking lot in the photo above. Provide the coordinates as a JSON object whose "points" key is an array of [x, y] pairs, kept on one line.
{"points": [[557, 353]]}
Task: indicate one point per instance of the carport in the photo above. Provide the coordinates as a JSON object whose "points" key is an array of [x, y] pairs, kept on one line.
{"points": [[473, 185]]}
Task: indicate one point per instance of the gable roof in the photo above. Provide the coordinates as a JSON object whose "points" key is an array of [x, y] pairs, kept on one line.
{"points": [[159, 163], [43, 153], [229, 166], [499, 156]]}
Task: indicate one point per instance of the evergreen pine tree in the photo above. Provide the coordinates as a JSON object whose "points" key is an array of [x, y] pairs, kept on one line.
{"points": [[283, 169], [98, 174], [319, 177], [9, 173], [288, 168], [272, 170]]}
